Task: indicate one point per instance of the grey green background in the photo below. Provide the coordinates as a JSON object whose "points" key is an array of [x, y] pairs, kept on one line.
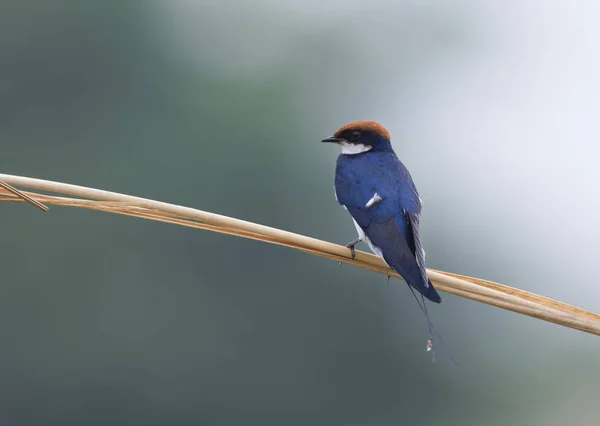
{"points": [[493, 106]]}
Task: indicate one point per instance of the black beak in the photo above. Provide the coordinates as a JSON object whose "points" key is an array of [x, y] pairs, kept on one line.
{"points": [[335, 140]]}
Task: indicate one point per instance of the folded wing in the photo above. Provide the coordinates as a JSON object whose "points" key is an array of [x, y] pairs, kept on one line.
{"points": [[397, 236]]}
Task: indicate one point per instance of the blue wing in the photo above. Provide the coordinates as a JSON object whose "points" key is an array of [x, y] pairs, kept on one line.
{"points": [[395, 236], [392, 225]]}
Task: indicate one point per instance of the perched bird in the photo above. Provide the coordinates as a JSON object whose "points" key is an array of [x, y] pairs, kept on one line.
{"points": [[379, 193]]}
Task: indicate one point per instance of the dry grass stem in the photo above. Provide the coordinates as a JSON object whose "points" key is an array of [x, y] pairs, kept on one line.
{"points": [[476, 289], [24, 197]]}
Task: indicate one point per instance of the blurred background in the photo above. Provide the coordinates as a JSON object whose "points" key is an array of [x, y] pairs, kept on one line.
{"points": [[220, 105]]}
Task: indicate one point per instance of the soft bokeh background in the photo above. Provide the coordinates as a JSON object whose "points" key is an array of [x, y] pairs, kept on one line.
{"points": [[220, 105]]}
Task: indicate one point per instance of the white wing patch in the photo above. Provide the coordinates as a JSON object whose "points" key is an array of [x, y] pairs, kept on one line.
{"points": [[374, 200]]}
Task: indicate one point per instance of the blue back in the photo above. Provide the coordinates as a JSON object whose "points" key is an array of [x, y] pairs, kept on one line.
{"points": [[358, 177]]}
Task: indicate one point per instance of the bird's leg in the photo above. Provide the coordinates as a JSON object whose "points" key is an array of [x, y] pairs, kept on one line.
{"points": [[351, 246]]}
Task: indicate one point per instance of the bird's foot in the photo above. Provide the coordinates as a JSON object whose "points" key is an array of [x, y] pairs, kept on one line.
{"points": [[351, 247]]}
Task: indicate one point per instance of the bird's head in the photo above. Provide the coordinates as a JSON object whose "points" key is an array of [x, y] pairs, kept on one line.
{"points": [[361, 136]]}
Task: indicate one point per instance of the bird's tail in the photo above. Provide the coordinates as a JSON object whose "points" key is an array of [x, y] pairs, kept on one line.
{"points": [[430, 343], [426, 290], [431, 293]]}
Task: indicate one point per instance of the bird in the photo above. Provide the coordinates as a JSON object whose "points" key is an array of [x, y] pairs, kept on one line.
{"points": [[376, 188]]}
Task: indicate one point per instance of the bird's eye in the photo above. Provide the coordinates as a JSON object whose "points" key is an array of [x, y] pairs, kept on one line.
{"points": [[355, 136]]}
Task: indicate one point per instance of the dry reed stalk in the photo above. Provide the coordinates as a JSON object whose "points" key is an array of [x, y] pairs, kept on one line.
{"points": [[24, 197], [471, 288]]}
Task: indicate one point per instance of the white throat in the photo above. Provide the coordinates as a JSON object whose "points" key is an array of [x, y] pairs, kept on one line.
{"points": [[353, 149]]}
